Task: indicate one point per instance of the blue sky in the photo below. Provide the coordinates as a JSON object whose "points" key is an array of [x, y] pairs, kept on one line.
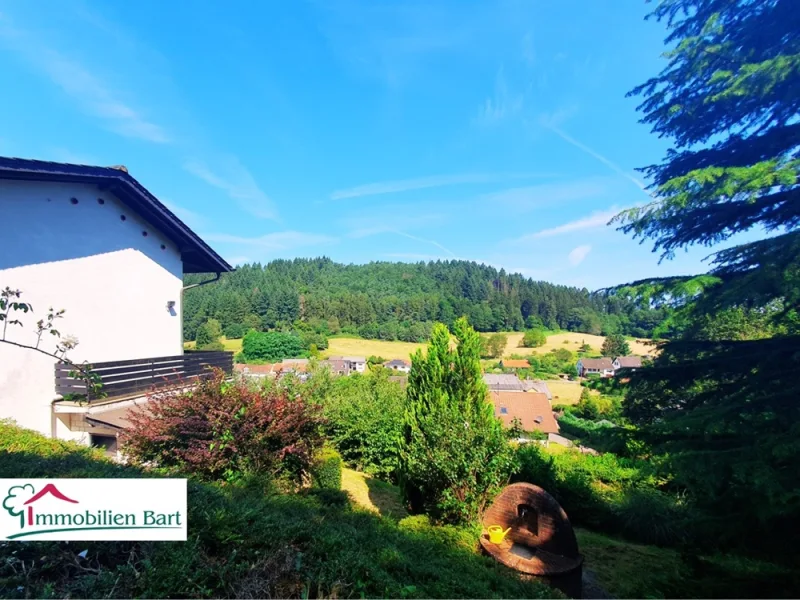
{"points": [[490, 131]]}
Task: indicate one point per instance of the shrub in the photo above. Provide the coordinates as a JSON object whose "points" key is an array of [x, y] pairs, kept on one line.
{"points": [[534, 338], [224, 431], [326, 470], [492, 346], [454, 452], [208, 335], [235, 331], [272, 346], [312, 338], [364, 420]]}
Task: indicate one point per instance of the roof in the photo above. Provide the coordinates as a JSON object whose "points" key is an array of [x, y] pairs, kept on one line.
{"points": [[355, 358], [256, 369], [533, 410], [503, 382], [398, 362], [197, 256], [537, 386], [597, 363], [516, 364], [629, 361]]}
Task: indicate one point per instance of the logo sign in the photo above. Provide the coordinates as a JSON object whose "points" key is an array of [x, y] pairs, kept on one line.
{"points": [[93, 509]]}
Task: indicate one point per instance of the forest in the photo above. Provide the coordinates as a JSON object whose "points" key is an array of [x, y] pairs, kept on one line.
{"points": [[400, 301]]}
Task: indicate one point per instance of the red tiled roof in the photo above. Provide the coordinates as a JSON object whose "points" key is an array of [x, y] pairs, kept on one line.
{"points": [[516, 364], [257, 369], [531, 408], [597, 363]]}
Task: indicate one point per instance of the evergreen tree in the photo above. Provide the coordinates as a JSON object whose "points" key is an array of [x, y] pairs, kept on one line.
{"points": [[724, 411], [615, 345], [454, 451]]}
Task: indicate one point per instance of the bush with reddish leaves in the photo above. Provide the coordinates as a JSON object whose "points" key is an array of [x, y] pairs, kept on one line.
{"points": [[224, 431]]}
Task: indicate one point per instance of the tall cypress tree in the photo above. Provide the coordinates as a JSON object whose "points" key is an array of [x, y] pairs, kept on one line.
{"points": [[454, 451]]}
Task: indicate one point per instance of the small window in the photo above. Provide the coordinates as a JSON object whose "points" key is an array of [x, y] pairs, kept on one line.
{"points": [[503, 410], [539, 419]]}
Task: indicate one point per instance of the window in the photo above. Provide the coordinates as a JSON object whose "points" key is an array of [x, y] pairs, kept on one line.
{"points": [[503, 410]]}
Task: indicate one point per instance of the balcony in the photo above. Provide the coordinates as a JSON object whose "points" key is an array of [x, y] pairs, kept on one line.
{"points": [[130, 378]]}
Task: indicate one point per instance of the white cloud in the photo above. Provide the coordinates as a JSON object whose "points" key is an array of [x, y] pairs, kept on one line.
{"points": [[405, 185], [237, 182], [92, 94], [279, 240], [238, 260], [548, 194], [191, 218], [593, 221], [502, 105], [578, 255]]}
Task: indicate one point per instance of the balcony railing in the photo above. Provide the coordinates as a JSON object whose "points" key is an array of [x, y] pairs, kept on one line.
{"points": [[131, 377]]}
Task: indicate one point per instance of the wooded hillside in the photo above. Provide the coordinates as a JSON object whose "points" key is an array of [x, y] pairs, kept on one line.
{"points": [[401, 301]]}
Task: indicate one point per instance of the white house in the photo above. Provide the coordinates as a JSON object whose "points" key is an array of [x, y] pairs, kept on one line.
{"points": [[601, 366], [398, 364], [354, 363], [627, 362], [94, 242]]}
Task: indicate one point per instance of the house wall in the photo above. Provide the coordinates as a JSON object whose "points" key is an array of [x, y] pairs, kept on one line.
{"points": [[112, 281]]}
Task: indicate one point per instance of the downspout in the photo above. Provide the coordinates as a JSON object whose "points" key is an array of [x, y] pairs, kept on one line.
{"points": [[188, 287]]}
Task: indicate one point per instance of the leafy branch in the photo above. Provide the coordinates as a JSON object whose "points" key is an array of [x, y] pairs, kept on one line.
{"points": [[11, 304]]}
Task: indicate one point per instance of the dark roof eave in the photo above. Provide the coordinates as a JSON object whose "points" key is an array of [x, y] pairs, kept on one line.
{"points": [[198, 257]]}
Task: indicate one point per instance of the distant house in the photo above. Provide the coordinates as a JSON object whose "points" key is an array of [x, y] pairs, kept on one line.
{"points": [[268, 370], [514, 364], [627, 362], [398, 364], [96, 243], [503, 382], [533, 411], [601, 366], [337, 366], [355, 363]]}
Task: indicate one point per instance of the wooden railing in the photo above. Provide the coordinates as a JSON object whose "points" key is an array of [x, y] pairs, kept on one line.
{"points": [[128, 377]]}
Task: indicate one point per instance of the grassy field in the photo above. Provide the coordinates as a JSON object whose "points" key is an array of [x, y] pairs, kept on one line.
{"points": [[566, 392], [346, 346], [374, 495], [230, 345], [570, 341]]}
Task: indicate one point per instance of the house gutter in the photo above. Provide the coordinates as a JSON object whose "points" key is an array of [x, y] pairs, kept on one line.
{"points": [[188, 287]]}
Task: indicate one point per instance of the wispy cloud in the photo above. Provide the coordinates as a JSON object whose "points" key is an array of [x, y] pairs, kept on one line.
{"points": [[551, 124], [424, 241], [548, 194], [238, 260], [237, 182], [191, 218], [415, 256], [420, 183], [389, 219], [94, 96], [502, 105], [279, 240], [593, 221], [578, 255]]}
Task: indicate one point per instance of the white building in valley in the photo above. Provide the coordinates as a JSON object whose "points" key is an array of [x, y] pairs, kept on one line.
{"points": [[94, 242]]}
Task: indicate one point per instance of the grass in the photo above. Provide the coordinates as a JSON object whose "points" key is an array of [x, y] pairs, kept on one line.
{"points": [[350, 346], [234, 345], [243, 542], [566, 392], [573, 342], [373, 494], [628, 570]]}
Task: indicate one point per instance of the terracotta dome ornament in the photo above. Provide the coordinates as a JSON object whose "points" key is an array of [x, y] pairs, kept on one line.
{"points": [[539, 541]]}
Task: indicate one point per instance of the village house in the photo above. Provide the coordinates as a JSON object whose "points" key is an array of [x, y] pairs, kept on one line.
{"points": [[94, 242], [354, 363], [510, 363], [337, 366], [601, 366], [532, 410], [627, 362], [397, 364]]}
